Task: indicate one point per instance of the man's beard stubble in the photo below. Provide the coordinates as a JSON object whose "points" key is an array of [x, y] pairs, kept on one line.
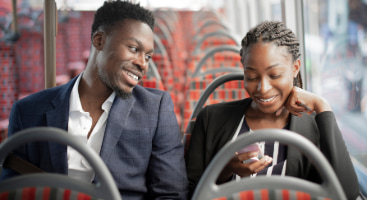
{"points": [[120, 93]]}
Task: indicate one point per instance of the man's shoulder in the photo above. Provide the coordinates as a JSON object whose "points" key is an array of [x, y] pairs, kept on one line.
{"points": [[41, 95], [140, 91], [46, 95]]}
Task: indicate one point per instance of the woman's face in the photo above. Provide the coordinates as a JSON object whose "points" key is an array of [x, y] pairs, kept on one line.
{"points": [[269, 72]]}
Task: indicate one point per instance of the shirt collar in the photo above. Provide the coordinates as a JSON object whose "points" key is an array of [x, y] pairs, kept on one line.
{"points": [[75, 104], [106, 106]]}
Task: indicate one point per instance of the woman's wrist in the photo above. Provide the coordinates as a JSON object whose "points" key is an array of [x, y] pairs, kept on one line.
{"points": [[321, 105]]}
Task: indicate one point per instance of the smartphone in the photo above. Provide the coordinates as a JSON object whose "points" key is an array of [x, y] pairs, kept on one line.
{"points": [[252, 147]]}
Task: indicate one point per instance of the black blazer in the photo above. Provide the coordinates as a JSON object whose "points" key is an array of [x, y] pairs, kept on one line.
{"points": [[216, 125]]}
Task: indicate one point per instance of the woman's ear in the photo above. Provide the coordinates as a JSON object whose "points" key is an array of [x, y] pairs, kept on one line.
{"points": [[98, 40], [296, 67]]}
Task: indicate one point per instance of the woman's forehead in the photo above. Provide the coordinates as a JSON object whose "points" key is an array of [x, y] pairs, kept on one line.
{"points": [[263, 50]]}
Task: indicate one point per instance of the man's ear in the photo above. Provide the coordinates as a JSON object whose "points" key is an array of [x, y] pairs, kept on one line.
{"points": [[98, 40]]}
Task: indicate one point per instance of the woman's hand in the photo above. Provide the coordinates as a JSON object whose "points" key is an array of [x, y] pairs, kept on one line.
{"points": [[300, 100], [236, 165]]}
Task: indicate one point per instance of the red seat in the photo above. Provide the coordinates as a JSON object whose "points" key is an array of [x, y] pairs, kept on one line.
{"points": [[44, 193], [227, 87], [265, 194]]}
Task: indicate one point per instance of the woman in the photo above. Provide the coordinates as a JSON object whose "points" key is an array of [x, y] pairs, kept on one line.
{"points": [[270, 57]]}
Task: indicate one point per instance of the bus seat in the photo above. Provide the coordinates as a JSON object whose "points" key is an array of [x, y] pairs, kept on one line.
{"points": [[75, 68], [165, 71], [49, 185], [62, 79], [216, 38], [152, 83], [214, 57], [224, 88], [152, 79], [270, 187], [3, 129], [164, 66]]}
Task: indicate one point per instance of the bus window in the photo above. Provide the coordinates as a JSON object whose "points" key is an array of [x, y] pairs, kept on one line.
{"points": [[335, 53]]}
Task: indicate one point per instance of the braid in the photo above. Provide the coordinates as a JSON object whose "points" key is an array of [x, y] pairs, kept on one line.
{"points": [[272, 31]]}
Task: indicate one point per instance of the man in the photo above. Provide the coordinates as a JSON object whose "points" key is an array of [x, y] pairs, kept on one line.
{"points": [[133, 128]]}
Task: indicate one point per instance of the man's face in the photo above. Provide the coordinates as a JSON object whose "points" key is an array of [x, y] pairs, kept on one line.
{"points": [[123, 57]]}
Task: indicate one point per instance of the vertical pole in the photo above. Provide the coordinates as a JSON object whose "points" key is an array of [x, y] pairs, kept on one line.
{"points": [[14, 13], [301, 37], [282, 3], [292, 16], [50, 43]]}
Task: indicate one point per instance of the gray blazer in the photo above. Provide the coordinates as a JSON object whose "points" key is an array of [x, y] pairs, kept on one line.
{"points": [[141, 146], [216, 125]]}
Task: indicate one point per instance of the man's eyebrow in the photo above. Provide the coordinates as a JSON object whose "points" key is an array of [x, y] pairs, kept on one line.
{"points": [[140, 44]]}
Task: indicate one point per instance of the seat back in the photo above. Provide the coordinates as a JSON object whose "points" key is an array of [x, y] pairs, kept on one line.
{"points": [[49, 185], [231, 89], [273, 187], [218, 38], [224, 56], [152, 78], [211, 88], [216, 62]]}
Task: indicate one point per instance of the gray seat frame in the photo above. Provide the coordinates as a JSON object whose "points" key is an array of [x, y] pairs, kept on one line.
{"points": [[208, 189], [105, 188]]}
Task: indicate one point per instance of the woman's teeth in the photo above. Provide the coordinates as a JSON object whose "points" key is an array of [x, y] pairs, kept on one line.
{"points": [[135, 77], [266, 100]]}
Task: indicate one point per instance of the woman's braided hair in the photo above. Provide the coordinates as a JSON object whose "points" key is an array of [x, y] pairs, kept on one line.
{"points": [[273, 31]]}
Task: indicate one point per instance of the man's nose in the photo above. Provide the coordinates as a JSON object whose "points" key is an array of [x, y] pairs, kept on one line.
{"points": [[142, 62]]}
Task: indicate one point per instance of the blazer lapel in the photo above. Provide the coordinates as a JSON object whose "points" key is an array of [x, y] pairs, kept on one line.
{"points": [[115, 125], [59, 118], [234, 119], [304, 126]]}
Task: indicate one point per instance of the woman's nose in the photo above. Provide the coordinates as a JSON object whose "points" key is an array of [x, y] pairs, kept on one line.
{"points": [[263, 86]]}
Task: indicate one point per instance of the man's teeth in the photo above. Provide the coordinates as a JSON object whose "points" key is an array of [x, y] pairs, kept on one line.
{"points": [[266, 100], [135, 77]]}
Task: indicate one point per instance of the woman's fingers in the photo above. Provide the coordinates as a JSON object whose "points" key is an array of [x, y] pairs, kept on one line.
{"points": [[299, 101], [247, 155], [246, 169], [263, 162]]}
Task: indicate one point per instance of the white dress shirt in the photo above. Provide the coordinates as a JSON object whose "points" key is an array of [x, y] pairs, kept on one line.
{"points": [[79, 125]]}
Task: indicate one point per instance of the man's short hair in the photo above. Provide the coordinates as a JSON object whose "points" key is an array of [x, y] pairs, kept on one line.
{"points": [[116, 11]]}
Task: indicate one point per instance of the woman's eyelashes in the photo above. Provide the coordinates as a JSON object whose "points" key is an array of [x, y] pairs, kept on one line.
{"points": [[251, 78], [275, 76], [254, 78]]}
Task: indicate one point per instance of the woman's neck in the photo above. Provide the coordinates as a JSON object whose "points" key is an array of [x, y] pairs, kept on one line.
{"points": [[256, 119]]}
